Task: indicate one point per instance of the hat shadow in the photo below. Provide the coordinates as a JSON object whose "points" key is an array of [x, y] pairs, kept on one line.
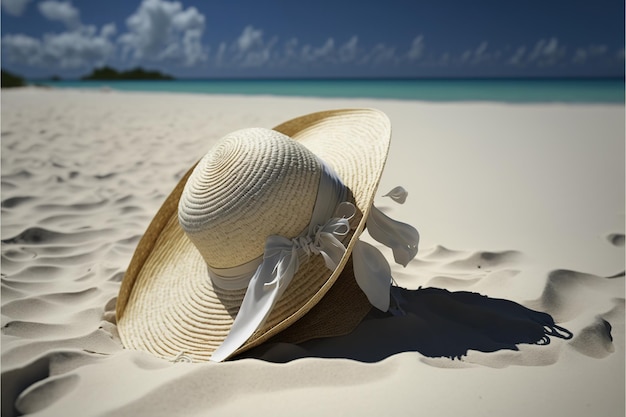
{"points": [[436, 323]]}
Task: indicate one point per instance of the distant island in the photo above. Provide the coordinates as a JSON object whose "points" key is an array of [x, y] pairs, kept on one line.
{"points": [[108, 73], [11, 80]]}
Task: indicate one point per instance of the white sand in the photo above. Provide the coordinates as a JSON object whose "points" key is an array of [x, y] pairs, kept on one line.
{"points": [[520, 202]]}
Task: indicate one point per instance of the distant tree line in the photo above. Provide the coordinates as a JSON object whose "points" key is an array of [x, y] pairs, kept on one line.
{"points": [[11, 80], [108, 73]]}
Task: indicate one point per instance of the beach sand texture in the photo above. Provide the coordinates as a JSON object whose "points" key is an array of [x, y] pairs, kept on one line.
{"points": [[517, 202]]}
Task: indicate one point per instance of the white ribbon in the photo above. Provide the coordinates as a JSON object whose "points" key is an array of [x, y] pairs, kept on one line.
{"points": [[281, 260], [325, 240], [397, 194], [373, 274], [402, 238], [371, 269], [282, 257]]}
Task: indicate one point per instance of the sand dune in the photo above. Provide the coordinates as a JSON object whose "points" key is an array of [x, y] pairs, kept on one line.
{"points": [[515, 302]]}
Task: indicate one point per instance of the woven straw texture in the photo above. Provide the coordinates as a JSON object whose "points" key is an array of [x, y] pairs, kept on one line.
{"points": [[254, 183], [167, 303]]}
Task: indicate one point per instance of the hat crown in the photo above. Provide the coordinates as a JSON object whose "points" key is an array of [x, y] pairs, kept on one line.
{"points": [[253, 184]]}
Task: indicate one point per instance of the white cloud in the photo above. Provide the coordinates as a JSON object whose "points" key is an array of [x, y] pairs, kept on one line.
{"points": [[73, 49], [60, 11], [249, 38], [591, 52], [310, 54], [518, 56], [162, 30], [480, 50], [250, 49], [325, 49], [329, 52], [417, 48], [21, 49], [77, 49], [189, 19], [290, 48], [108, 30], [580, 56], [598, 49], [288, 54], [15, 7], [348, 51], [379, 54], [219, 57], [479, 54], [546, 52], [260, 55], [551, 47], [192, 47]]}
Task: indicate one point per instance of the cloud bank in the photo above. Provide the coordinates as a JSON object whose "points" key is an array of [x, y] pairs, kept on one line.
{"points": [[15, 7], [79, 46], [164, 31], [60, 11]]}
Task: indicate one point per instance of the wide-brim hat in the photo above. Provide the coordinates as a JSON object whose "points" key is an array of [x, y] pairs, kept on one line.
{"points": [[170, 301]]}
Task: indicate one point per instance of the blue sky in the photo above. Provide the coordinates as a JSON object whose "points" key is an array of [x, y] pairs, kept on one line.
{"points": [[322, 38]]}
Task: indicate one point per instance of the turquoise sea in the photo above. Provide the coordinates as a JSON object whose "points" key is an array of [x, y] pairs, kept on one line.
{"points": [[500, 90]]}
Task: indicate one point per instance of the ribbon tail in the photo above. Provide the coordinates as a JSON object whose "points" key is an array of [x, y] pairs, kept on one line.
{"points": [[265, 288], [331, 249], [402, 238], [398, 194], [373, 274]]}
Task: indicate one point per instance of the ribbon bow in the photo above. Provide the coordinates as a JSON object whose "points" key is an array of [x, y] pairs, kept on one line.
{"points": [[282, 258]]}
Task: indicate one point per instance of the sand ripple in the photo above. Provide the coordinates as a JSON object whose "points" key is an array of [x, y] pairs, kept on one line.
{"points": [[76, 198], [80, 184]]}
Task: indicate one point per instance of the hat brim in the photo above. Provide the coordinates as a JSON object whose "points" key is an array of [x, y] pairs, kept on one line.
{"points": [[167, 303]]}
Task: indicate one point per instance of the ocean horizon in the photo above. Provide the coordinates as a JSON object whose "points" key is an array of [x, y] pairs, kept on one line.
{"points": [[513, 90]]}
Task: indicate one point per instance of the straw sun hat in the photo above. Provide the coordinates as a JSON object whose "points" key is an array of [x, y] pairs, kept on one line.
{"points": [[260, 241]]}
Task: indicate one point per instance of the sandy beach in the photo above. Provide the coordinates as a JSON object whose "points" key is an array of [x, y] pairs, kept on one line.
{"points": [[516, 202]]}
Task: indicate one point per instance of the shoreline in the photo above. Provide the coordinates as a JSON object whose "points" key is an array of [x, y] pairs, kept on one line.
{"points": [[533, 91], [311, 100]]}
